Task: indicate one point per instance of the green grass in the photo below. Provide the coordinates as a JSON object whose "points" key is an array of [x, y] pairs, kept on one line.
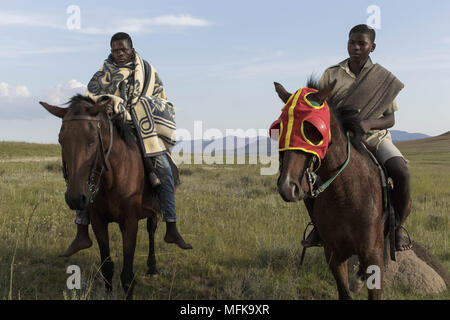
{"points": [[246, 239], [10, 150]]}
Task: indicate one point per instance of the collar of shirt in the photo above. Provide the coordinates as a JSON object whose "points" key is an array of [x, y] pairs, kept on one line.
{"points": [[344, 65]]}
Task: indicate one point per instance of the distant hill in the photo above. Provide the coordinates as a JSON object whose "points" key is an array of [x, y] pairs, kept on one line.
{"points": [[260, 145], [229, 145], [398, 135], [436, 144]]}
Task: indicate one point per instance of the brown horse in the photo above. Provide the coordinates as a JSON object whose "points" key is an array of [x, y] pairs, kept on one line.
{"points": [[102, 160], [348, 214]]}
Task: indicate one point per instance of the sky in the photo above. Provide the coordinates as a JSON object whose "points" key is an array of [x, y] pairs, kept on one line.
{"points": [[218, 59]]}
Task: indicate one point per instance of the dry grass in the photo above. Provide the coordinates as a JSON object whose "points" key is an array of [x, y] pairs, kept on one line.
{"points": [[246, 239]]}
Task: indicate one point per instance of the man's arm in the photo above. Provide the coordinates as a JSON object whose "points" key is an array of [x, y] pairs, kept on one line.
{"points": [[385, 122], [159, 87]]}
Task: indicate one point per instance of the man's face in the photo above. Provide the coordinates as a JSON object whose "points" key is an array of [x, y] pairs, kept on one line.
{"points": [[122, 51], [359, 46]]}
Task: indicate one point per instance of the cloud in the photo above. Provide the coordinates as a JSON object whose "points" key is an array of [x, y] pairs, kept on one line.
{"points": [[61, 93], [17, 102], [277, 64], [8, 52], [9, 91], [148, 25], [135, 25], [26, 19]]}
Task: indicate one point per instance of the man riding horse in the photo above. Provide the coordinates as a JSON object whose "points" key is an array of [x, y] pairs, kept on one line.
{"points": [[137, 95], [349, 74]]}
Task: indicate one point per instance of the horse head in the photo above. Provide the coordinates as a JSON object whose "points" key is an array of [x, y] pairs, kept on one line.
{"points": [[303, 137], [80, 144]]}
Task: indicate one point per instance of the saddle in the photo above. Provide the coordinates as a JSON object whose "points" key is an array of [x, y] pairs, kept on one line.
{"points": [[389, 217]]}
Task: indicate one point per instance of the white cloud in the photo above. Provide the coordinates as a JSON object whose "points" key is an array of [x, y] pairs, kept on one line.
{"points": [[4, 89], [135, 25], [8, 91], [26, 19], [147, 25], [61, 93], [184, 20], [8, 52], [17, 102], [21, 91]]}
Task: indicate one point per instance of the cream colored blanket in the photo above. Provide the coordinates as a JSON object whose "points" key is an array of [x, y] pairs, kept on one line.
{"points": [[139, 98]]}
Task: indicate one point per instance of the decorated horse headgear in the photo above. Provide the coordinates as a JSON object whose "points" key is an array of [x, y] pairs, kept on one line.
{"points": [[291, 124]]}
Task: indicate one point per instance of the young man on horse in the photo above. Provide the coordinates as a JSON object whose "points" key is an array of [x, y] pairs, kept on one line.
{"points": [[127, 80], [377, 137]]}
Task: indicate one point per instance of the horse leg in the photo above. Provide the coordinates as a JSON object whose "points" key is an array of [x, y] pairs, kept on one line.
{"points": [[151, 261], [107, 266], [129, 234], [373, 259], [339, 269]]}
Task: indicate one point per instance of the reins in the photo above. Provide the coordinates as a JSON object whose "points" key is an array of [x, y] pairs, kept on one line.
{"points": [[314, 192], [94, 187]]}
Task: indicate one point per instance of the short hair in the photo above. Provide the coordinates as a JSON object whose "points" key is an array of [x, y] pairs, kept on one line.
{"points": [[121, 36], [363, 28]]}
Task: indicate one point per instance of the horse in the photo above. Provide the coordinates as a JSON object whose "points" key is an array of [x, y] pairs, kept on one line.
{"points": [[348, 213], [113, 175]]}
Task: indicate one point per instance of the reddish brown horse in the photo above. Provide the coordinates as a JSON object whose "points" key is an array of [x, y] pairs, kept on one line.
{"points": [[348, 214], [102, 159]]}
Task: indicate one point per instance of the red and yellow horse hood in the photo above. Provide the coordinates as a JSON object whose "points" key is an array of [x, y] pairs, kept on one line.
{"points": [[295, 113]]}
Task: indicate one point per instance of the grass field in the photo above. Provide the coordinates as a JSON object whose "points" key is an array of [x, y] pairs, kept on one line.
{"points": [[246, 239]]}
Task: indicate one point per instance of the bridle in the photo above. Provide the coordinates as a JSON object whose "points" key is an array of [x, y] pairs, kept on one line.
{"points": [[313, 179], [93, 186]]}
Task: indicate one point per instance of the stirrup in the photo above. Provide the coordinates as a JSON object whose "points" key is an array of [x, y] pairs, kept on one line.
{"points": [[304, 234], [409, 238], [304, 238]]}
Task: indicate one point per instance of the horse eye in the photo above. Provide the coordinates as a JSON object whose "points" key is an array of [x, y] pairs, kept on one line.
{"points": [[91, 143], [311, 133]]}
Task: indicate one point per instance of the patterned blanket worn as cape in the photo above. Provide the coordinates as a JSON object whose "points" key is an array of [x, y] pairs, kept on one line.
{"points": [[139, 99]]}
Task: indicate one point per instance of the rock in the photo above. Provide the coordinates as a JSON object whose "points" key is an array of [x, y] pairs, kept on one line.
{"points": [[432, 261], [410, 271]]}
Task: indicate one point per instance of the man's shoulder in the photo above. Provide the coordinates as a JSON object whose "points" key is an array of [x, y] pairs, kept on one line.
{"points": [[337, 66]]}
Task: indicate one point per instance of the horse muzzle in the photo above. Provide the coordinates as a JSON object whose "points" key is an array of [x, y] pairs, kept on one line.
{"points": [[290, 190], [77, 200]]}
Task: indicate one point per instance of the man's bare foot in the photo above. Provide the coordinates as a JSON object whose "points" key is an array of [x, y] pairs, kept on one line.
{"points": [[75, 246], [82, 241], [172, 236], [402, 243]]}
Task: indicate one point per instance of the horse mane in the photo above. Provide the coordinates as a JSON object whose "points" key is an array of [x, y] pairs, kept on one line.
{"points": [[125, 132], [346, 117]]}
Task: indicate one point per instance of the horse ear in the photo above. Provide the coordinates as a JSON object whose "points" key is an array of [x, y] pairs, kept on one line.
{"points": [[54, 110], [282, 93], [323, 94], [99, 107]]}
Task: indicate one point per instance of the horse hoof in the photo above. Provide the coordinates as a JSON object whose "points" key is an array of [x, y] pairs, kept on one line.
{"points": [[152, 274], [356, 283]]}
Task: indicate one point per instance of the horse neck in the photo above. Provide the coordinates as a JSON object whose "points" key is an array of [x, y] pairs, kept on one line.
{"points": [[120, 153], [337, 152]]}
